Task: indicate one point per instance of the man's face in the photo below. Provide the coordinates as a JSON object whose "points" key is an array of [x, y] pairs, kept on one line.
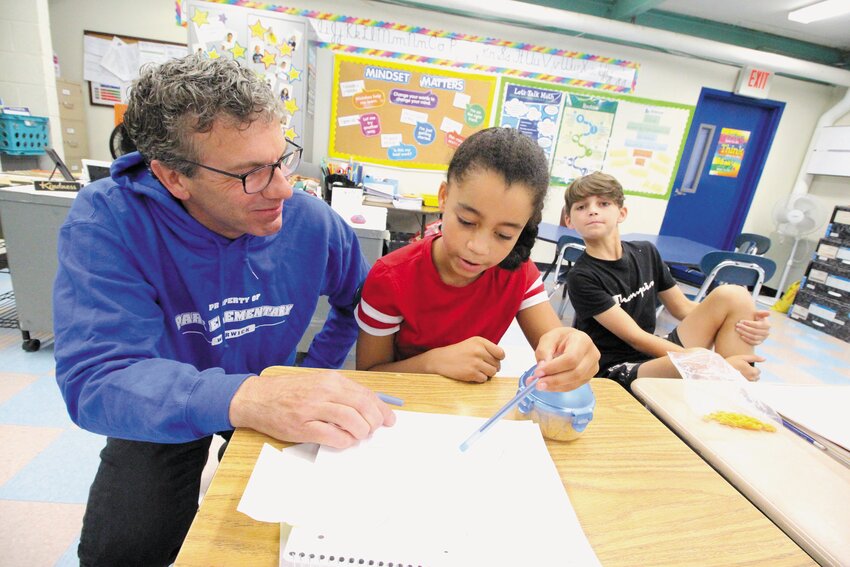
{"points": [[217, 201]]}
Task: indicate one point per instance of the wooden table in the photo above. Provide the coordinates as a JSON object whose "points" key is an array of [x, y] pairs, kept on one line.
{"points": [[642, 496], [802, 489]]}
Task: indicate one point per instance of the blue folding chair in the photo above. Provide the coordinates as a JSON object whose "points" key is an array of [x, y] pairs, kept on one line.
{"points": [[749, 243], [567, 251], [734, 268]]}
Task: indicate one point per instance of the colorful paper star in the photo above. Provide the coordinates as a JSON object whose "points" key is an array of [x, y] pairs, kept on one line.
{"points": [[213, 54], [237, 50], [222, 18], [291, 106], [285, 48], [200, 17], [294, 74], [290, 134], [268, 59], [257, 30]]}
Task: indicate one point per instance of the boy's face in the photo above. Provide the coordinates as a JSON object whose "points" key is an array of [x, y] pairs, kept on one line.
{"points": [[595, 217]]}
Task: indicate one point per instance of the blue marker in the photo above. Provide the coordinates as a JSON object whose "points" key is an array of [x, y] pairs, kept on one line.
{"points": [[505, 409], [804, 435], [391, 399]]}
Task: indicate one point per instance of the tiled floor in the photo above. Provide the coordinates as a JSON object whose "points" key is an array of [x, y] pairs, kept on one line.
{"points": [[49, 462]]}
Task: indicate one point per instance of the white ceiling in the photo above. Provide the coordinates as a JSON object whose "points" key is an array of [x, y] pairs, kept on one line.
{"points": [[769, 16]]}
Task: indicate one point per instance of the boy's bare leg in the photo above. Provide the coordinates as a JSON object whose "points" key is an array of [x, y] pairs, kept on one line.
{"points": [[710, 324]]}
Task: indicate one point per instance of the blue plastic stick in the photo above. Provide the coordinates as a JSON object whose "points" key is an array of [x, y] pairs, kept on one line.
{"points": [[505, 409], [392, 400]]}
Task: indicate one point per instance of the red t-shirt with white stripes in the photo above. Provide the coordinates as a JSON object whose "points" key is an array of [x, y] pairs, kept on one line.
{"points": [[404, 294]]}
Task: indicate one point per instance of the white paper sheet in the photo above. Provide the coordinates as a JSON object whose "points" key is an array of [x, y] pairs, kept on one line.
{"points": [[409, 490]]}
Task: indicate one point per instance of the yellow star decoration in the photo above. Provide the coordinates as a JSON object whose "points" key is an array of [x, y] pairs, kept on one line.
{"points": [[285, 48], [257, 30], [237, 50], [290, 134], [200, 17], [294, 74], [291, 106], [268, 59], [213, 54]]}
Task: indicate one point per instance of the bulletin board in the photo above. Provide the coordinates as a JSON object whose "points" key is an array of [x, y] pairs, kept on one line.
{"points": [[405, 115], [272, 45], [639, 141], [111, 62]]}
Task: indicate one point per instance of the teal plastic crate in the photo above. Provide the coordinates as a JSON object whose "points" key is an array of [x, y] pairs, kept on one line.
{"points": [[23, 135]]}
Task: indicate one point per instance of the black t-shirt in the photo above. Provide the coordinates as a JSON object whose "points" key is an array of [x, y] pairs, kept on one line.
{"points": [[633, 282]]}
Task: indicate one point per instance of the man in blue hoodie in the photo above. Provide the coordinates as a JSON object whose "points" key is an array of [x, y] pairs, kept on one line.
{"points": [[182, 276]]}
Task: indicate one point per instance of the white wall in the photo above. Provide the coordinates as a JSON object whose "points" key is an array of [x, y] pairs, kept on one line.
{"points": [[151, 19], [661, 76], [26, 62]]}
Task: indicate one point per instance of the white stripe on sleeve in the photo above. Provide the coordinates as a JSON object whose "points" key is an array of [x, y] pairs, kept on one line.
{"points": [[375, 332]]}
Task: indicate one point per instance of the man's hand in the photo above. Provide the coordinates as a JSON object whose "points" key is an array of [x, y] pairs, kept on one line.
{"points": [[567, 358], [474, 360], [741, 363], [324, 407], [754, 331]]}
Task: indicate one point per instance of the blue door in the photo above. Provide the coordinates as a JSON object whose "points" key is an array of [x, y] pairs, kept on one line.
{"points": [[727, 146]]}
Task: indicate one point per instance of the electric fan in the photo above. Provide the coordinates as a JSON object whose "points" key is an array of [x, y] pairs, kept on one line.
{"points": [[796, 217], [120, 142]]}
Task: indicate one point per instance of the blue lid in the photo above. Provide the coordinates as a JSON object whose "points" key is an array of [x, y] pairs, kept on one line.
{"points": [[579, 398]]}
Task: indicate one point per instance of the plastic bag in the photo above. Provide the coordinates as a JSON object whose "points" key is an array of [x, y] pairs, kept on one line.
{"points": [[717, 392]]}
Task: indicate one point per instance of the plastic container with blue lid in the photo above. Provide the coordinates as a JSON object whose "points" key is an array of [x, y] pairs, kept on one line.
{"points": [[562, 416]]}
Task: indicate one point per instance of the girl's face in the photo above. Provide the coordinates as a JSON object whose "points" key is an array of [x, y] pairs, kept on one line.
{"points": [[482, 220]]}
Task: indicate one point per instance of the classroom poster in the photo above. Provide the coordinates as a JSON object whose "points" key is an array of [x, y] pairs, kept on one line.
{"points": [[729, 153], [398, 114], [584, 136], [533, 111], [270, 44], [647, 139], [638, 141]]}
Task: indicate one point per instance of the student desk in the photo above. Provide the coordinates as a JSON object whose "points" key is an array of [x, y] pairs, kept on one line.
{"points": [[642, 496], [673, 249], [804, 491]]}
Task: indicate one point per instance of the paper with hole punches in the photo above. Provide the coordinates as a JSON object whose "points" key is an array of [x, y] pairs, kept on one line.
{"points": [[408, 496]]}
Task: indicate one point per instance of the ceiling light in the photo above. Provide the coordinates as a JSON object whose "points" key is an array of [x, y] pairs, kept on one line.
{"points": [[820, 11]]}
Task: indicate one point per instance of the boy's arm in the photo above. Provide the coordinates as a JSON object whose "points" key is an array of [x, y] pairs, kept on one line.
{"points": [[676, 302], [474, 360], [618, 322]]}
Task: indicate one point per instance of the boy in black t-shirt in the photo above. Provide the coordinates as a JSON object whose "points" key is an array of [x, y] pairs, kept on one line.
{"points": [[614, 288]]}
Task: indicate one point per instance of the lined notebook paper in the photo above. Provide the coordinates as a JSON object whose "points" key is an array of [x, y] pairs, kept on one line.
{"points": [[408, 496]]}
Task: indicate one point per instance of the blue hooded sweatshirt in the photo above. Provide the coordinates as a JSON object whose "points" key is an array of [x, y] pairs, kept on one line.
{"points": [[159, 320]]}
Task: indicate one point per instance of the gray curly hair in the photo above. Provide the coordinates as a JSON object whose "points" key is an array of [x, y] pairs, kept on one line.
{"points": [[171, 102]]}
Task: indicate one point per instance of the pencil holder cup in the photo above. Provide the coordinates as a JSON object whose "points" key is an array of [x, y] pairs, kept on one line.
{"points": [[562, 416], [335, 180]]}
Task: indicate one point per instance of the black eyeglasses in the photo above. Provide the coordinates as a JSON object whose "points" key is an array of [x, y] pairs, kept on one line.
{"points": [[260, 177]]}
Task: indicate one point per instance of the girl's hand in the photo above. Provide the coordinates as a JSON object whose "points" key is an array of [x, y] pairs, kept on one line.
{"points": [[566, 359], [474, 360], [755, 331]]}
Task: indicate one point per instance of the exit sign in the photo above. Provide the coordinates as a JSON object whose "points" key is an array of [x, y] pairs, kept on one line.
{"points": [[753, 82]]}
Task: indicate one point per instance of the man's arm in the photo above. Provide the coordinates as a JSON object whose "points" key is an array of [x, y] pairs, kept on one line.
{"points": [[346, 271], [114, 375]]}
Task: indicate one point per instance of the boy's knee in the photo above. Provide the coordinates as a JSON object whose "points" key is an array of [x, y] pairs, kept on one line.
{"points": [[732, 296]]}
